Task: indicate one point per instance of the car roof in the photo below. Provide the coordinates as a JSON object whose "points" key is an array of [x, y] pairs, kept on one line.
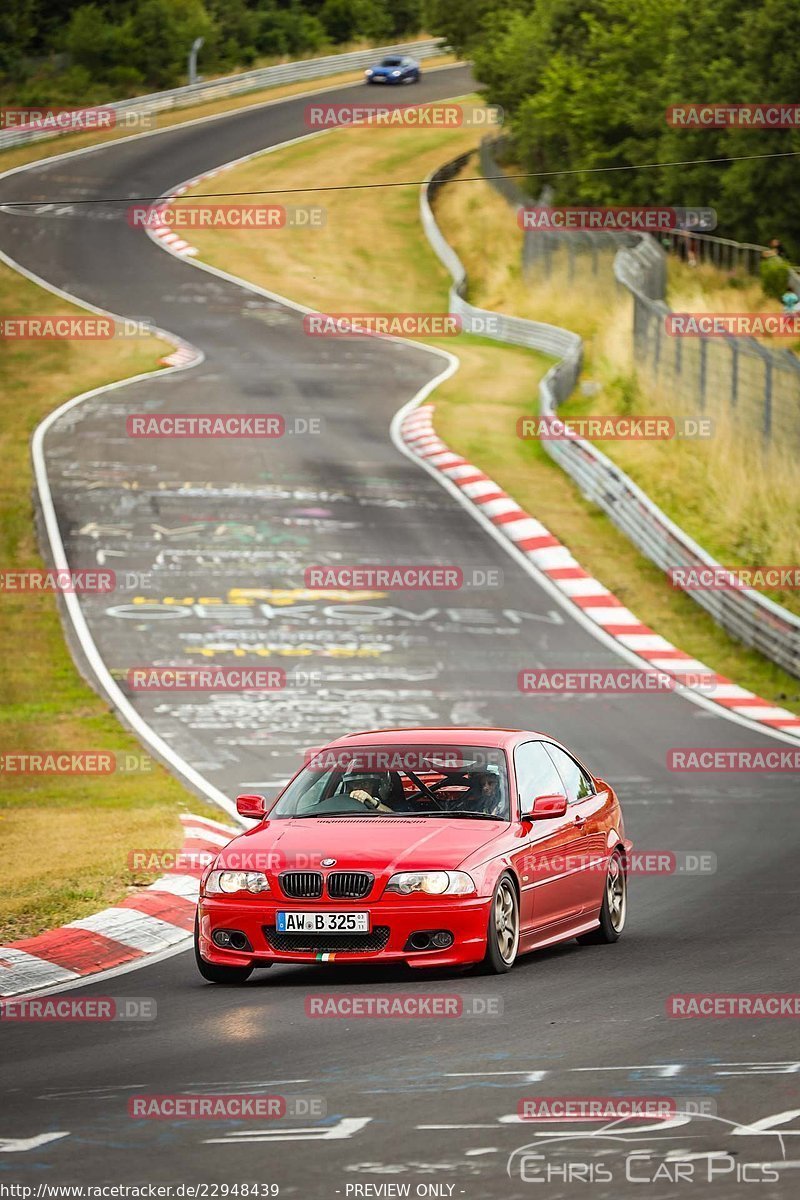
{"points": [[462, 735]]}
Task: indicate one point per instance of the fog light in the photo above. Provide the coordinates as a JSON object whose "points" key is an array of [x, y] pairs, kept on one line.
{"points": [[442, 939], [221, 937]]}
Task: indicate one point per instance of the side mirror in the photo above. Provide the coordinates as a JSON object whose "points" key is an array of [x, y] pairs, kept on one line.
{"points": [[253, 806], [546, 807]]}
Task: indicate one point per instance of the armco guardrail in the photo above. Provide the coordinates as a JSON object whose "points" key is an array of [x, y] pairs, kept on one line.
{"points": [[744, 613], [749, 385], [736, 378], [231, 85], [550, 339]]}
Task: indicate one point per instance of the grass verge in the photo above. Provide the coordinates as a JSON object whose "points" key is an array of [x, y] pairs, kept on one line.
{"points": [[65, 837], [740, 502], [352, 265], [368, 256]]}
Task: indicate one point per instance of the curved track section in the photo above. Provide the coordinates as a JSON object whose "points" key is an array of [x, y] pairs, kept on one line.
{"points": [[225, 530]]}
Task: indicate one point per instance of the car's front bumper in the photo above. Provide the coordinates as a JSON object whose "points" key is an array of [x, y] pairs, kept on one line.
{"points": [[466, 918]]}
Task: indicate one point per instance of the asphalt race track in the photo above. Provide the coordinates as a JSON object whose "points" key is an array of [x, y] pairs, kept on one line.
{"points": [[419, 1102]]}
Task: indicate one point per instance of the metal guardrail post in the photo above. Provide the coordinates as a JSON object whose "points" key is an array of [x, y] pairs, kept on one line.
{"points": [[767, 398]]}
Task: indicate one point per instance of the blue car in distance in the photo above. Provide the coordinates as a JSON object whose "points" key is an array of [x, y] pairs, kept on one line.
{"points": [[395, 68]]}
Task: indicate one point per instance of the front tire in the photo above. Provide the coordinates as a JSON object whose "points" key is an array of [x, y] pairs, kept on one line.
{"points": [[214, 973], [614, 908], [502, 936]]}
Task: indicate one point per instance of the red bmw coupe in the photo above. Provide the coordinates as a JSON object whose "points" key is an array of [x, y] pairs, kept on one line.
{"points": [[432, 847]]}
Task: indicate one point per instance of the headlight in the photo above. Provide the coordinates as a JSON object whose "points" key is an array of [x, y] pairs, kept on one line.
{"points": [[227, 882], [368, 71], [433, 883], [396, 73]]}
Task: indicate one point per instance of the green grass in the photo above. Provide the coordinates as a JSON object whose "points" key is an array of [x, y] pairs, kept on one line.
{"points": [[65, 838], [477, 408]]}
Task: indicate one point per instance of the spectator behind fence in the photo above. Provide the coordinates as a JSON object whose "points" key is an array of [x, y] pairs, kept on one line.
{"points": [[776, 250]]}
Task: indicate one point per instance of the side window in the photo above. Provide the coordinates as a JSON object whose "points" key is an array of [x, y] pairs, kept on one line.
{"points": [[536, 775], [577, 783]]}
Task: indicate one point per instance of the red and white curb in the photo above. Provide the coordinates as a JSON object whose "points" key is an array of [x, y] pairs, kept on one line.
{"points": [[163, 232], [148, 922], [183, 356], [594, 600]]}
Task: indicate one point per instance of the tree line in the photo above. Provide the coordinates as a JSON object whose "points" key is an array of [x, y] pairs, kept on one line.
{"points": [[586, 84], [54, 51]]}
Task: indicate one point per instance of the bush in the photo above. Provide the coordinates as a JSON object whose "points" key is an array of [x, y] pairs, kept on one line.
{"points": [[282, 31], [347, 20], [774, 276]]}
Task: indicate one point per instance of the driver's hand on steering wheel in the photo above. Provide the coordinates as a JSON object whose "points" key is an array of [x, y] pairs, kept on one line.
{"points": [[368, 801]]}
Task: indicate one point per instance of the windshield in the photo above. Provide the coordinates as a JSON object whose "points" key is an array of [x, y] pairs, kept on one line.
{"points": [[386, 781], [392, 62]]}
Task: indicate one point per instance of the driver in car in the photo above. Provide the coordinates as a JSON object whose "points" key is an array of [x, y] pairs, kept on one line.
{"points": [[382, 786], [484, 794]]}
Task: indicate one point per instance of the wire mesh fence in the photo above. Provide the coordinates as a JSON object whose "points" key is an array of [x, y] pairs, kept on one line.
{"points": [[745, 613], [754, 387]]}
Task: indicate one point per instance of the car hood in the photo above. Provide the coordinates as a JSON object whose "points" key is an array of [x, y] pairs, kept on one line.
{"points": [[385, 70], [376, 844]]}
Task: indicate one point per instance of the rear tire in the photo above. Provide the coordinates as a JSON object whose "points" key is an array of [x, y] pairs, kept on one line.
{"points": [[614, 908], [214, 973], [502, 935]]}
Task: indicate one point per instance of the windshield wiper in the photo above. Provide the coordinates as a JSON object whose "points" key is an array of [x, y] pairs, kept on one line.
{"points": [[336, 812], [463, 812]]}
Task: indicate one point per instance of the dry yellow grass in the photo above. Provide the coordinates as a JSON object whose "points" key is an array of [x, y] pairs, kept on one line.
{"points": [[706, 288], [65, 838], [366, 232], [738, 500], [352, 266], [369, 256]]}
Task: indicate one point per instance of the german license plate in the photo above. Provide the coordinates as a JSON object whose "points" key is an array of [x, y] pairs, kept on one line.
{"points": [[323, 922]]}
